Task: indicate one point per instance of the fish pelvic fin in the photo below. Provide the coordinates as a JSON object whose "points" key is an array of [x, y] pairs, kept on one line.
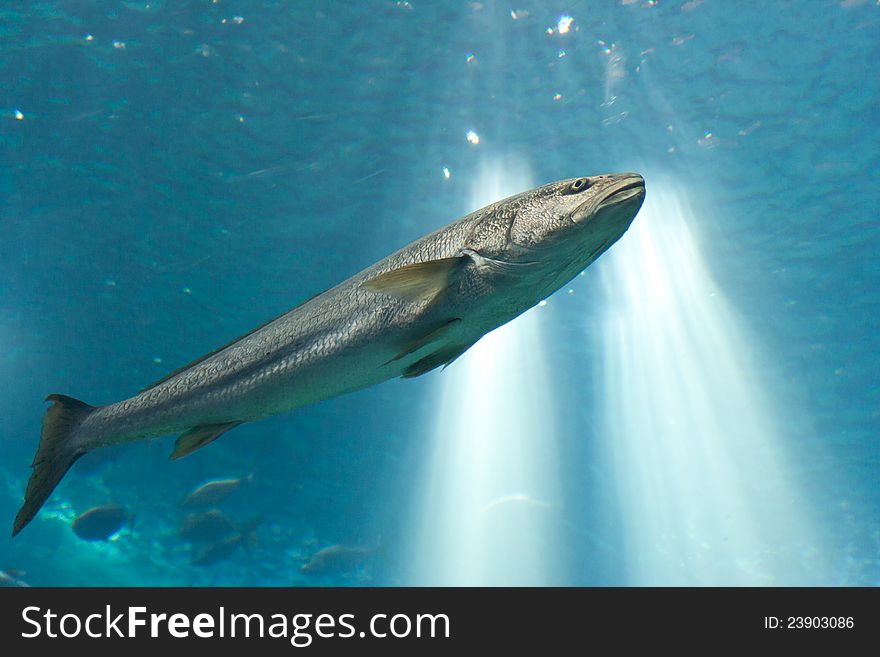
{"points": [[421, 281], [426, 339], [432, 361], [197, 437], [55, 454]]}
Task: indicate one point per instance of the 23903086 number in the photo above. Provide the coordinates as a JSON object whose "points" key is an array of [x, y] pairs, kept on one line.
{"points": [[819, 622]]}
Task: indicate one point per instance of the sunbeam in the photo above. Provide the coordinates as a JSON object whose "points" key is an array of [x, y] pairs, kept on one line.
{"points": [[705, 494], [490, 502]]}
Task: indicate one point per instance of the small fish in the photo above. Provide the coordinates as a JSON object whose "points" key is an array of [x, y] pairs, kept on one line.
{"points": [[11, 578], [207, 527], [212, 493], [222, 550], [414, 311], [215, 552], [336, 559], [101, 522]]}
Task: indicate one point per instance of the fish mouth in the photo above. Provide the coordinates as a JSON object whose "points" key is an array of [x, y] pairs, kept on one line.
{"points": [[619, 190], [631, 187]]}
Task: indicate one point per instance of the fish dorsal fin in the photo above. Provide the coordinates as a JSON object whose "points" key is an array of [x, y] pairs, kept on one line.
{"points": [[213, 353], [227, 345], [421, 281], [426, 339], [440, 357], [198, 437]]}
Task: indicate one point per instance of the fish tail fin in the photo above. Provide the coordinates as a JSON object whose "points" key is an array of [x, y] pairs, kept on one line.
{"points": [[54, 456]]}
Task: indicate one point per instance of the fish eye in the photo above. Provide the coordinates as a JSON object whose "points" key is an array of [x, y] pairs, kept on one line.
{"points": [[577, 186]]}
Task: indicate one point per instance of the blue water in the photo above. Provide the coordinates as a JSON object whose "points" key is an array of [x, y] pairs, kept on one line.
{"points": [[176, 173]]}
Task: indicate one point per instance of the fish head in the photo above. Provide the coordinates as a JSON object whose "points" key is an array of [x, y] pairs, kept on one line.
{"points": [[578, 218]]}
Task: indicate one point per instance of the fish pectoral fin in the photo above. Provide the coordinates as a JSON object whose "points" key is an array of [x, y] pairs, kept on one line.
{"points": [[426, 339], [197, 437], [423, 280], [440, 357]]}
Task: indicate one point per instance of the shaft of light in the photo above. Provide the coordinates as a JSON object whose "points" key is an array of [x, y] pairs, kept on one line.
{"points": [[487, 510], [691, 432]]}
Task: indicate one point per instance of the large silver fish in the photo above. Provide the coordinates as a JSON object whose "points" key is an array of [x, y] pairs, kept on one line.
{"points": [[418, 309]]}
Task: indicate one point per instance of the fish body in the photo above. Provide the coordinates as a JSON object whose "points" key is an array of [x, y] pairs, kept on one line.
{"points": [[101, 522], [418, 309], [214, 492], [207, 527], [222, 549], [219, 551], [336, 559]]}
